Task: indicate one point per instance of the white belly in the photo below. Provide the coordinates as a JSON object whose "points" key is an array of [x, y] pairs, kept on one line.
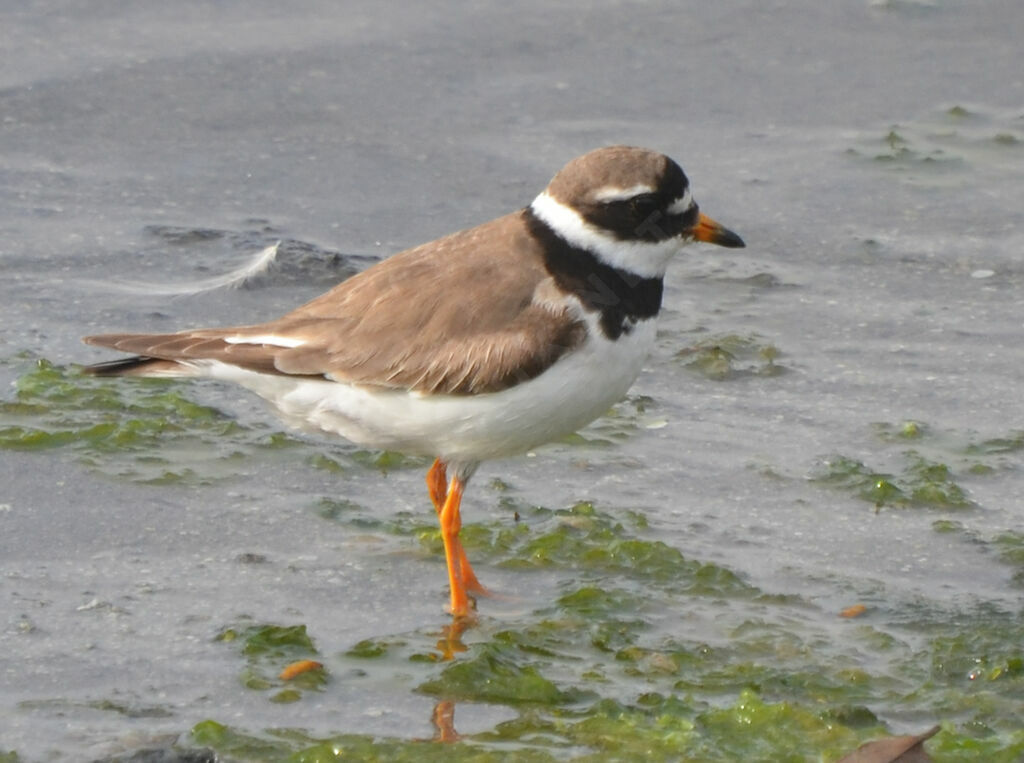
{"points": [[579, 388]]}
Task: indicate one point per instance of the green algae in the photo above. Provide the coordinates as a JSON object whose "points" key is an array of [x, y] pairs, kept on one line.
{"points": [[370, 649], [592, 676], [150, 432], [620, 423], [118, 707], [403, 524], [146, 430], [899, 148], [1010, 548], [277, 641], [656, 726], [942, 147], [492, 673], [931, 474], [268, 649], [238, 745], [920, 483], [1010, 444], [956, 748], [754, 729], [292, 746], [596, 674], [386, 461], [904, 431], [732, 356], [589, 542]]}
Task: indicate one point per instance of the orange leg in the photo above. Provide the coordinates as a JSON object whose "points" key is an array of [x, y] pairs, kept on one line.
{"points": [[451, 523], [437, 483], [437, 486]]}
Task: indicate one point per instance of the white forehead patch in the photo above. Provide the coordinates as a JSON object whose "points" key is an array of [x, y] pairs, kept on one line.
{"points": [[683, 204], [614, 193]]}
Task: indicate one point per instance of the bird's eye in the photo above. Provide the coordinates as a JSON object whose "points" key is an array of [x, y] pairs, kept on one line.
{"points": [[643, 205]]}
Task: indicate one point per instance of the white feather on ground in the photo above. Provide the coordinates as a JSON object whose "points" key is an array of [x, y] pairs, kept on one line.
{"points": [[258, 265]]}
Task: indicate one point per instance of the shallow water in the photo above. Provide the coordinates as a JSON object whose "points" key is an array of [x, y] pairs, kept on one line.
{"points": [[832, 417]]}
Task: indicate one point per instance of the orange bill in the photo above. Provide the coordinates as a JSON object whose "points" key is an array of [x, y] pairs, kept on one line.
{"points": [[708, 230]]}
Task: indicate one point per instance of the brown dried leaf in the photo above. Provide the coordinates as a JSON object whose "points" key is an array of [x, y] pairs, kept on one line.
{"points": [[903, 749], [298, 668]]}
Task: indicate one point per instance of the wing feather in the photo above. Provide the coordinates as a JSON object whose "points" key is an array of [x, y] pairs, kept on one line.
{"points": [[457, 316]]}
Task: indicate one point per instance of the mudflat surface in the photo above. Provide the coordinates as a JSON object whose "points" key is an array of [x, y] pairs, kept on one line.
{"points": [[832, 417]]}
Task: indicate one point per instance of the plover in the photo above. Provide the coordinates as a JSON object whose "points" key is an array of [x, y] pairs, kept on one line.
{"points": [[482, 344]]}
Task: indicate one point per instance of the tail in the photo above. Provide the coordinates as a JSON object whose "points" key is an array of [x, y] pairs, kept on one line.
{"points": [[136, 366], [182, 354]]}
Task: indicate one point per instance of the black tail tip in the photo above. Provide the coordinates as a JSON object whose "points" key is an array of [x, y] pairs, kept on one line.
{"points": [[119, 367]]}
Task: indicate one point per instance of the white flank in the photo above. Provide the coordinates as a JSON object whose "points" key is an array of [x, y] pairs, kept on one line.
{"points": [[274, 341], [614, 193], [461, 429], [647, 259]]}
